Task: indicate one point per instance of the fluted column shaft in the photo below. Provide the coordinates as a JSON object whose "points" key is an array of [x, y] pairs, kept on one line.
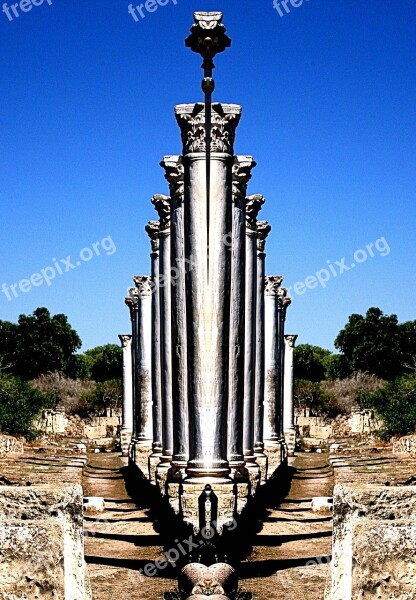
{"points": [[289, 408], [263, 230], [143, 366], [127, 409], [272, 426], [175, 177], [153, 230]]}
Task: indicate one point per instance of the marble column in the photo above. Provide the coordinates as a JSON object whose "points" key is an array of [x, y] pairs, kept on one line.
{"points": [[127, 408], [152, 229], [236, 245], [272, 437], [288, 403], [263, 230], [163, 206], [132, 302], [253, 206], [208, 222], [282, 305], [174, 174]]}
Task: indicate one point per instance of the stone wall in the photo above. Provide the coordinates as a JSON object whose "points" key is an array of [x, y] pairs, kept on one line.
{"points": [[10, 445], [52, 422], [314, 427], [42, 543], [405, 445], [374, 542], [363, 422]]}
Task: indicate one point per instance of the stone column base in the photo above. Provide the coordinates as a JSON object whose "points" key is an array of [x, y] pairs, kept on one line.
{"points": [[290, 438], [154, 461], [140, 456], [275, 456], [262, 461], [225, 492], [125, 440]]}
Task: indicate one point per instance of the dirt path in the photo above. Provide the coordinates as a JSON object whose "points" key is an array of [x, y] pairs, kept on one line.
{"points": [[122, 541]]}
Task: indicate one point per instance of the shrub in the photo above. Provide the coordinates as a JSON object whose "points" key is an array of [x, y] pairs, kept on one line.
{"points": [[347, 393], [20, 405], [395, 403], [68, 393], [106, 395], [309, 394]]}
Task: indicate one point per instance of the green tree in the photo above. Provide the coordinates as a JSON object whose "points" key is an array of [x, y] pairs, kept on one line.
{"points": [[336, 367], [20, 405], [372, 344], [44, 344], [395, 403], [407, 332], [310, 362], [106, 362], [8, 339]]}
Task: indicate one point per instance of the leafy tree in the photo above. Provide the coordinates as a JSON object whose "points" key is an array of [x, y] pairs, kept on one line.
{"points": [[336, 367], [44, 344], [8, 340], [310, 395], [106, 362], [395, 403], [310, 362], [20, 405], [107, 394], [407, 332], [372, 344]]}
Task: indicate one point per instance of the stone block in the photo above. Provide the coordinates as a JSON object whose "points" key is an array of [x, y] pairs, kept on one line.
{"points": [[405, 445], [10, 445], [358, 503], [32, 560], [384, 560], [94, 504], [95, 432], [53, 503]]}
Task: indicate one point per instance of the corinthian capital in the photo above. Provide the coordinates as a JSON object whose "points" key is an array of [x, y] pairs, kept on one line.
{"points": [[253, 207], [162, 205], [224, 121], [152, 230], [125, 340], [208, 36], [144, 285], [132, 301], [263, 230], [272, 285], [290, 340], [174, 174], [243, 165]]}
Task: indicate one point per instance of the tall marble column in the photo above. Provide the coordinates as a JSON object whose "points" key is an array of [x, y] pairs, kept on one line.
{"points": [[127, 408], [282, 305], [174, 174], [263, 230], [288, 403], [236, 245], [163, 206], [152, 229], [132, 302], [253, 206], [208, 222]]}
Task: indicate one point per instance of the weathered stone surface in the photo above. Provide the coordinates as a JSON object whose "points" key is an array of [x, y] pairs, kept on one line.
{"points": [[355, 503], [314, 427], [384, 560], [32, 560], [405, 445], [53, 503], [52, 422], [363, 422], [10, 445]]}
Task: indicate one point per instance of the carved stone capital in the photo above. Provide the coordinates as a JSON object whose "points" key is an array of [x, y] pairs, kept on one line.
{"points": [[153, 229], [144, 285], [125, 340], [253, 207], [174, 175], [208, 36], [132, 301], [242, 167], [162, 205], [272, 285], [263, 230], [290, 339], [224, 121]]}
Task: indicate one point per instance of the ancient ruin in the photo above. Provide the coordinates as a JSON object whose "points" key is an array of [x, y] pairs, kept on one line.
{"points": [[208, 388]]}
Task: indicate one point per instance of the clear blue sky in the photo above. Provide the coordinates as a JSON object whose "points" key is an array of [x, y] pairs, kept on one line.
{"points": [[329, 100]]}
